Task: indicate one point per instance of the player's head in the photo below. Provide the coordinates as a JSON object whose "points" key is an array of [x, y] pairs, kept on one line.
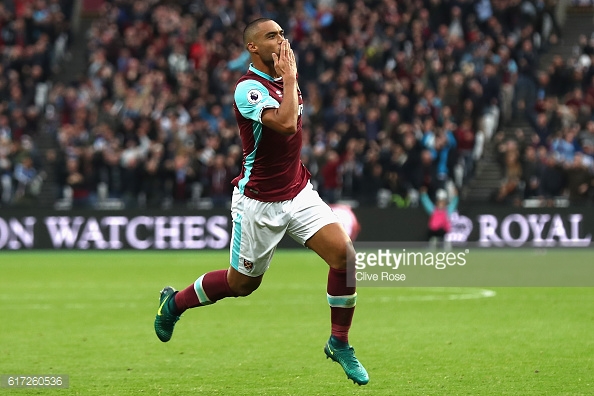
{"points": [[262, 37]]}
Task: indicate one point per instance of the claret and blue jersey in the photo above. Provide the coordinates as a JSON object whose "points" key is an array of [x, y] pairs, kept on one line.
{"points": [[272, 168]]}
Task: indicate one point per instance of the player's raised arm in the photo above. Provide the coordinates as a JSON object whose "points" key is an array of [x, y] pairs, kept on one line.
{"points": [[284, 118]]}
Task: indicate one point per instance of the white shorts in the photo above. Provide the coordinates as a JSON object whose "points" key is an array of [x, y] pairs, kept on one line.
{"points": [[259, 226]]}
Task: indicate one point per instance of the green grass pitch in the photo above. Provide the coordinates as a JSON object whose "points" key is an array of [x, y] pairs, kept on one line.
{"points": [[90, 315]]}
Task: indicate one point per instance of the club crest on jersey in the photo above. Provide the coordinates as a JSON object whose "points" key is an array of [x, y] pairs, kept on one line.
{"points": [[254, 96], [248, 265]]}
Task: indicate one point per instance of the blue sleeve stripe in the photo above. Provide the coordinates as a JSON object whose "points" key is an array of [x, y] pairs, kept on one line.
{"points": [[251, 157]]}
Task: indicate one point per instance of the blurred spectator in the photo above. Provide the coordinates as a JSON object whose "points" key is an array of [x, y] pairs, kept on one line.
{"points": [[586, 139], [372, 183], [527, 65], [218, 182], [553, 179], [153, 175], [465, 136], [351, 171], [531, 171], [78, 183], [439, 216], [579, 179], [439, 146], [181, 176], [5, 161], [563, 147], [24, 175], [509, 191], [398, 189], [331, 178], [542, 129], [509, 76]]}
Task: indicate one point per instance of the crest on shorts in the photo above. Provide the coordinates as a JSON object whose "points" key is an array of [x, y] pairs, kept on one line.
{"points": [[248, 265], [254, 96]]}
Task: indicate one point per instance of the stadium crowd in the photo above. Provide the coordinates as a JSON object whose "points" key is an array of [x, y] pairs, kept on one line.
{"points": [[33, 39], [555, 156], [399, 96]]}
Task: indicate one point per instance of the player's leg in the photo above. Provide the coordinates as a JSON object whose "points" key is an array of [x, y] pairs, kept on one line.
{"points": [[253, 241], [333, 245], [207, 289], [214, 286], [317, 227]]}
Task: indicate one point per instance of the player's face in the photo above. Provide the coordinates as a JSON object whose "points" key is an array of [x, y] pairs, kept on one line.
{"points": [[268, 40]]}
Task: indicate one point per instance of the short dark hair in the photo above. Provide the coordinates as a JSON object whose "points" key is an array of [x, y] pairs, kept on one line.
{"points": [[248, 32]]}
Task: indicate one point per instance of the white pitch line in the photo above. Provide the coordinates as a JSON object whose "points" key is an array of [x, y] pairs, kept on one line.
{"points": [[438, 294], [434, 294]]}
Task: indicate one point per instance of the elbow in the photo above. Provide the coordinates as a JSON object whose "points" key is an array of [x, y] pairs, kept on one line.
{"points": [[289, 129]]}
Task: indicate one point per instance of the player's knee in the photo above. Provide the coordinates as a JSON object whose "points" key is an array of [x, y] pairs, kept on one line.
{"points": [[243, 289], [242, 285], [341, 257]]}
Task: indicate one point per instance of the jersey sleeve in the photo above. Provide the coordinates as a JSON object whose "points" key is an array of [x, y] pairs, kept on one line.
{"points": [[251, 98]]}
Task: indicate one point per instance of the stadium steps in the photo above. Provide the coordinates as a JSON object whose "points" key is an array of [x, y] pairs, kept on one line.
{"points": [[486, 179], [69, 71], [488, 174], [579, 21], [76, 65], [45, 142]]}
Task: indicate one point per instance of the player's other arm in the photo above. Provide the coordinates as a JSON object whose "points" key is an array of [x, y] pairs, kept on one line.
{"points": [[284, 118]]}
